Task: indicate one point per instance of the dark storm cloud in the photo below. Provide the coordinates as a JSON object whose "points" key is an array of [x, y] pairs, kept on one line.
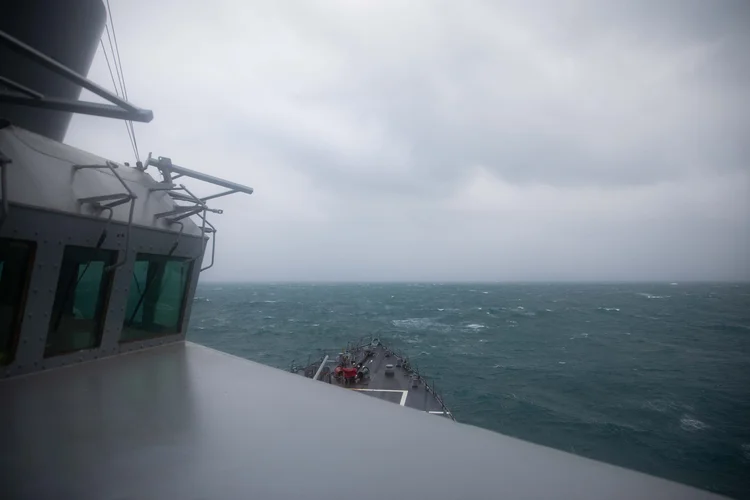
{"points": [[582, 93], [441, 140]]}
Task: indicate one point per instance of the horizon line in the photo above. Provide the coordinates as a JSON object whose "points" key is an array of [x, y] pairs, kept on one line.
{"points": [[481, 282]]}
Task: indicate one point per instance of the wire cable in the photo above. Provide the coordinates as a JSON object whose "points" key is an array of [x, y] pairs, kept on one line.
{"points": [[111, 74], [121, 75]]}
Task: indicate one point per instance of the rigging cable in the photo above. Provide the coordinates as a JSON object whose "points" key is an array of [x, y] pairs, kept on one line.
{"points": [[117, 61], [111, 74]]}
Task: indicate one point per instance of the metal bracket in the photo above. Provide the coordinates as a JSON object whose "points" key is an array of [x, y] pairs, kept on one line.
{"points": [[167, 169], [169, 173], [118, 108], [117, 199], [211, 229]]}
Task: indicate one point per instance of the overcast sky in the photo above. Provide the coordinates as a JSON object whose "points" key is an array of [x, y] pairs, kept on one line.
{"points": [[442, 140]]}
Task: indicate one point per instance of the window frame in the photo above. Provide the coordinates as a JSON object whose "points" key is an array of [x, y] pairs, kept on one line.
{"points": [[183, 303], [16, 323], [104, 297]]}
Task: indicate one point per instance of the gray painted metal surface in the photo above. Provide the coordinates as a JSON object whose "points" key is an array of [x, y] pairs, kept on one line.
{"points": [[42, 175], [67, 31], [184, 421], [55, 195], [52, 231], [168, 169]]}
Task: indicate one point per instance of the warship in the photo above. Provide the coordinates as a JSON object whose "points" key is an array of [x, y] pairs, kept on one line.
{"points": [[102, 395], [370, 367]]}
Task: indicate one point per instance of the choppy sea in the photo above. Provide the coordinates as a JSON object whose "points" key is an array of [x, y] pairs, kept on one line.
{"points": [[652, 377]]}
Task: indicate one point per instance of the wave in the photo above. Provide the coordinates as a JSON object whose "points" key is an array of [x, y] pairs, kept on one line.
{"points": [[651, 296], [662, 405], [475, 326], [608, 309], [420, 324], [691, 424], [724, 327]]}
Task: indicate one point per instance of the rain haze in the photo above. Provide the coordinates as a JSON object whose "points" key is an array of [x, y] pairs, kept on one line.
{"points": [[441, 141]]}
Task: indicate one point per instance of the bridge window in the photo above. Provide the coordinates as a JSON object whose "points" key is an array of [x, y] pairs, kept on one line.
{"points": [[15, 269], [156, 301], [80, 300]]}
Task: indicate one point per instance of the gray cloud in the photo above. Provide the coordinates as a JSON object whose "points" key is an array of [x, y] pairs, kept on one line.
{"points": [[443, 140]]}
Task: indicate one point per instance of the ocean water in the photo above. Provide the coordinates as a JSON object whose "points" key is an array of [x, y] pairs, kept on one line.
{"points": [[652, 377]]}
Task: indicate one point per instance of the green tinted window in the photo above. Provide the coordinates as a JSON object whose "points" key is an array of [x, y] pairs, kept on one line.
{"points": [[156, 300], [15, 269], [80, 300]]}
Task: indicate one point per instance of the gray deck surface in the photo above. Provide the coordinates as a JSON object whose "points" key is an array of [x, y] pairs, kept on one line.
{"points": [[182, 421]]}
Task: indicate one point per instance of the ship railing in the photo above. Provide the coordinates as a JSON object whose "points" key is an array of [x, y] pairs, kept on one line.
{"points": [[428, 385]]}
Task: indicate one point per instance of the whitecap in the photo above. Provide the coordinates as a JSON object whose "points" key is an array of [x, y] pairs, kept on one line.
{"points": [[650, 296], [691, 424], [441, 309], [420, 324], [485, 293], [561, 362], [475, 326], [269, 301], [615, 309], [580, 336], [482, 340]]}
